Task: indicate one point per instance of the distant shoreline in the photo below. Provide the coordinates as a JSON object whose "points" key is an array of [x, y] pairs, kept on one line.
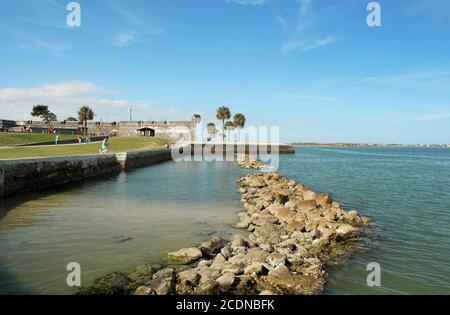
{"points": [[367, 145]]}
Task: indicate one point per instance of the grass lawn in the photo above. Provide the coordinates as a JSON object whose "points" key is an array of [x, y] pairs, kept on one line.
{"points": [[115, 145], [10, 139]]}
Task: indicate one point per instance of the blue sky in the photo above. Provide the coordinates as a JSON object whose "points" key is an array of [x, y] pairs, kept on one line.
{"points": [[312, 67]]}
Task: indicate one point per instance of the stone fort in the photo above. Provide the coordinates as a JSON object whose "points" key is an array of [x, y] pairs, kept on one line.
{"points": [[163, 129]]}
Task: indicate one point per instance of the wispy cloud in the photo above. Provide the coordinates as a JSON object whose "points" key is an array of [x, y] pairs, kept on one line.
{"points": [[282, 21], [303, 97], [420, 7], [428, 77], [66, 98], [248, 2], [132, 19], [125, 39], [57, 49], [301, 39], [426, 117], [432, 117], [308, 44]]}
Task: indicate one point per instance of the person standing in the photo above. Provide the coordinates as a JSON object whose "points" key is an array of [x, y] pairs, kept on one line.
{"points": [[57, 139]]}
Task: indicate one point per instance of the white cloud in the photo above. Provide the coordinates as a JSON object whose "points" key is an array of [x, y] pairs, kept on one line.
{"points": [[124, 39], [65, 98], [307, 45], [248, 2]]}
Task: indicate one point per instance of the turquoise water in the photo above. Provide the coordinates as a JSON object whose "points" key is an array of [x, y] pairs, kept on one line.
{"points": [[117, 223], [406, 191]]}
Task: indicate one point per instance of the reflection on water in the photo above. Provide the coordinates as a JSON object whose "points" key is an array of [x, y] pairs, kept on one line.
{"points": [[113, 224]]}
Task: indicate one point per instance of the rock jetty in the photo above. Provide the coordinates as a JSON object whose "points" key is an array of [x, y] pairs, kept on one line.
{"points": [[246, 161], [290, 234]]}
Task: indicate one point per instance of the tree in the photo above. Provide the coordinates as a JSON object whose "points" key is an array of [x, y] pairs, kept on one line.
{"points": [[211, 128], [229, 125], [44, 113], [197, 118], [84, 114], [223, 113], [239, 123]]}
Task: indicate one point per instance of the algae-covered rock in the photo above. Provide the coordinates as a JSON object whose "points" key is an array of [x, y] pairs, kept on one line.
{"points": [[144, 273], [114, 283]]}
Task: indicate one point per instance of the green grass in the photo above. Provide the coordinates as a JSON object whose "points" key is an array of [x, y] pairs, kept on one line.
{"points": [[116, 145], [10, 139]]}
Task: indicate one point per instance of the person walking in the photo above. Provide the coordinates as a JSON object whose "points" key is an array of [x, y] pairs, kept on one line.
{"points": [[57, 139], [105, 145]]}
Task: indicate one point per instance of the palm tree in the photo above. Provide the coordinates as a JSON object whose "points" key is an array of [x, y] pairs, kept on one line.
{"points": [[239, 123], [197, 118], [84, 114], [223, 113], [229, 125], [211, 128]]}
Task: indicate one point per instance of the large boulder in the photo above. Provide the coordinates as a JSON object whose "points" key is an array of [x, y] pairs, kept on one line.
{"points": [[226, 281], [346, 231], [163, 283], [211, 247], [289, 283], [185, 255], [307, 205], [284, 214]]}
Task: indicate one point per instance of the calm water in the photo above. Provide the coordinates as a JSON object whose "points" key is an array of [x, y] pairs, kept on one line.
{"points": [[406, 191], [120, 222]]}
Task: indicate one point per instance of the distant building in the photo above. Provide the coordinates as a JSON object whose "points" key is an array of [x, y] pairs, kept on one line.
{"points": [[6, 125], [164, 129]]}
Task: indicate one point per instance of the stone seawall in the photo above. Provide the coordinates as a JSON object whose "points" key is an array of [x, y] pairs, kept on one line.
{"points": [[130, 160], [244, 148], [33, 174], [24, 175], [17, 176]]}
